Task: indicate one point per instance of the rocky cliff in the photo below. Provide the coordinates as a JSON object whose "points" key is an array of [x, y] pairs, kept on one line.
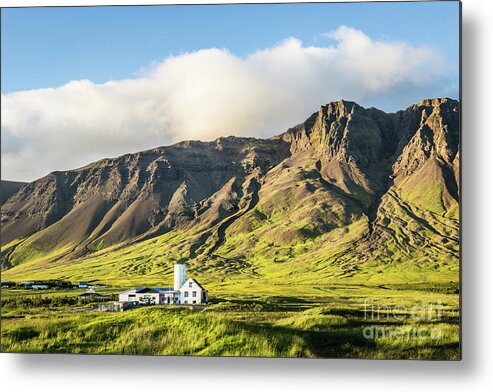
{"points": [[348, 185]]}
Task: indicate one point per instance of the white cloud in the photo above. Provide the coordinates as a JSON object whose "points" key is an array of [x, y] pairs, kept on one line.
{"points": [[207, 94]]}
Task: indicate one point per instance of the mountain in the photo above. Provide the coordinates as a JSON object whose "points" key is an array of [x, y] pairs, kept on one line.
{"points": [[8, 188], [349, 192]]}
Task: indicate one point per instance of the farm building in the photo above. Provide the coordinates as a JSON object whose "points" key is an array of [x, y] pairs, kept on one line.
{"points": [[184, 292], [6, 284], [40, 287]]}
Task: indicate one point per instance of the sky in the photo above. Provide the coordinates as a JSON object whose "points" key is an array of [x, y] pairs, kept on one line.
{"points": [[84, 83]]}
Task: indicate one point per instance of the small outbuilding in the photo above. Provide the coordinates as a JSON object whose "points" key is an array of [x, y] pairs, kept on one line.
{"points": [[40, 287], [6, 284]]}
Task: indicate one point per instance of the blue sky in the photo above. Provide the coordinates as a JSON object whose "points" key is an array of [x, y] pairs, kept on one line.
{"points": [[47, 47], [81, 84]]}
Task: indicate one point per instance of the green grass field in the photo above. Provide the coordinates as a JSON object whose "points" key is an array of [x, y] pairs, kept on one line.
{"points": [[306, 303], [277, 287], [345, 322]]}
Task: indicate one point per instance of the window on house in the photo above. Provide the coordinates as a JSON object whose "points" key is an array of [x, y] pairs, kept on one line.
{"points": [[190, 284], [186, 293], [194, 293]]}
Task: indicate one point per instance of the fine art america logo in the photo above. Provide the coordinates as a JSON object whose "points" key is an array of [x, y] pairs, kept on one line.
{"points": [[416, 321]]}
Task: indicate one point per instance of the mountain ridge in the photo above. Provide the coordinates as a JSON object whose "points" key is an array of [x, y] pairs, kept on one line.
{"points": [[8, 188], [379, 183]]}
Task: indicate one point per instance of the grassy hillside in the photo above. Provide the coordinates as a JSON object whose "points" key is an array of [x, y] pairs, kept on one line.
{"points": [[351, 193], [322, 239]]}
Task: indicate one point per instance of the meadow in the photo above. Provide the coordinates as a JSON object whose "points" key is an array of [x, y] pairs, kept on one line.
{"points": [[277, 287], [345, 321]]}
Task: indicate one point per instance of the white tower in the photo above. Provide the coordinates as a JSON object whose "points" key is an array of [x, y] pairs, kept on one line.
{"points": [[180, 275]]}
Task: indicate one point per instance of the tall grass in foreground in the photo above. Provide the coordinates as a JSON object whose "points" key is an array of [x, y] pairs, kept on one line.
{"points": [[331, 326], [157, 331]]}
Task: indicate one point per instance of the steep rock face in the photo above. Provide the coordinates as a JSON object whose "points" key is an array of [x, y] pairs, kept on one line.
{"points": [[347, 140], [346, 186], [34, 207], [354, 146], [137, 195], [8, 188], [381, 187], [419, 212], [426, 172]]}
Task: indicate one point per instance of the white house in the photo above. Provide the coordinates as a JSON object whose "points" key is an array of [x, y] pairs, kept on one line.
{"points": [[193, 293], [184, 292]]}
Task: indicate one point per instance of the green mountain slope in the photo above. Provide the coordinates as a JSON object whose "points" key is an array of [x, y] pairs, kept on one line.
{"points": [[351, 194]]}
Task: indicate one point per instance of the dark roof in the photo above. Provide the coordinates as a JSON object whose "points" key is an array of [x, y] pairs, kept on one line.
{"points": [[153, 289], [90, 295], [198, 284], [146, 290]]}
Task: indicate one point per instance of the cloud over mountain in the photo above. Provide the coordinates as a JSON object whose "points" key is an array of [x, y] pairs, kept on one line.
{"points": [[210, 93]]}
